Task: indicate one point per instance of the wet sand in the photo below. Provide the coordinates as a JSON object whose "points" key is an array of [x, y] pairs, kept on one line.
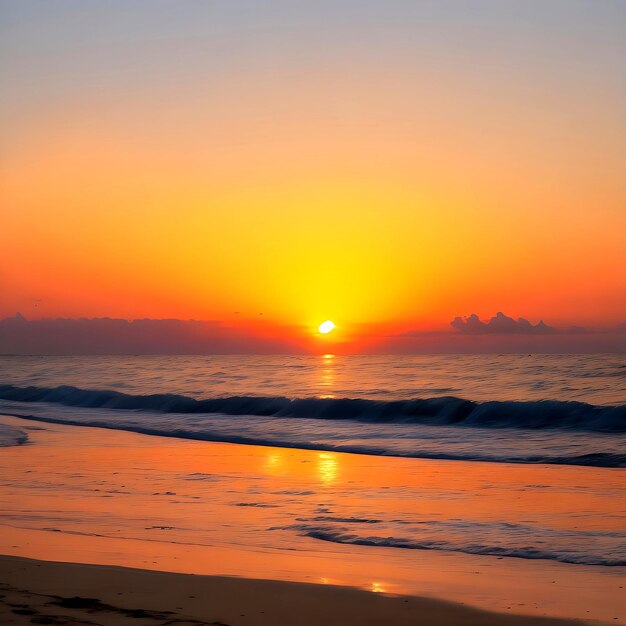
{"points": [[66, 594], [97, 496]]}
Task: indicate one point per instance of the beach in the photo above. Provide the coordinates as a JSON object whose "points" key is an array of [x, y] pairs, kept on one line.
{"points": [[41, 592], [311, 313], [252, 518]]}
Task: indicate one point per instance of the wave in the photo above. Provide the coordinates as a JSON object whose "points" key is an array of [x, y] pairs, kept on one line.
{"points": [[521, 552], [11, 436], [213, 432], [447, 410]]}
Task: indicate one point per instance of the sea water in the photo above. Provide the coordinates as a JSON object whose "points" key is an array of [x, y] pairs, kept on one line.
{"points": [[551, 428], [561, 409]]}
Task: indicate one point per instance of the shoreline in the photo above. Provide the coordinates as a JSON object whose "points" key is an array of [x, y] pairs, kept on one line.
{"points": [[70, 594], [126, 420], [117, 499]]}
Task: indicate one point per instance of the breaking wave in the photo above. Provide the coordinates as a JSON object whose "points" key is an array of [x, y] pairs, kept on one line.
{"points": [[543, 414]]}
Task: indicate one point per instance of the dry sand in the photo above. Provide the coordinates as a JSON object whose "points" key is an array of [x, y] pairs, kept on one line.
{"points": [[42, 592]]}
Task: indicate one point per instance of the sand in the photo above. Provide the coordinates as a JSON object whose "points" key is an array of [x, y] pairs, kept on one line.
{"points": [[42, 592]]}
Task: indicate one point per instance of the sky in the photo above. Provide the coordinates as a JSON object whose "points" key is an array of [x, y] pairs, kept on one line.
{"points": [[387, 165]]}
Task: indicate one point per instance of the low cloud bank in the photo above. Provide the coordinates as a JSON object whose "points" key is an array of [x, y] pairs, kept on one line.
{"points": [[500, 334], [144, 336], [504, 334], [501, 324]]}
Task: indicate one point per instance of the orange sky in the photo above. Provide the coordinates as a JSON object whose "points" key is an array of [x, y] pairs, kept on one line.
{"points": [[391, 174]]}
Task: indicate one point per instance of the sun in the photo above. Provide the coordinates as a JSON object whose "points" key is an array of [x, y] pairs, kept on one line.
{"points": [[326, 327]]}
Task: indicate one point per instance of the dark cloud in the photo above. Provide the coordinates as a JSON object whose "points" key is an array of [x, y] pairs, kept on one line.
{"points": [[145, 336], [149, 336], [501, 324], [504, 335]]}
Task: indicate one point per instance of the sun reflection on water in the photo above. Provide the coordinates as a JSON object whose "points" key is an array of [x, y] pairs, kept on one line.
{"points": [[327, 375], [274, 462], [327, 467]]}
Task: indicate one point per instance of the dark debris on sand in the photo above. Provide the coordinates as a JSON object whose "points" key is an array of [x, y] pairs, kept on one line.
{"points": [[42, 609]]}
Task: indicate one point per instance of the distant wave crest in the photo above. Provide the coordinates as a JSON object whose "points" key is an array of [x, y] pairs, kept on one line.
{"points": [[545, 414]]}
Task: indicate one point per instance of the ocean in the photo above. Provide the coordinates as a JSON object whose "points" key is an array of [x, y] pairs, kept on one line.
{"points": [[557, 409], [408, 474]]}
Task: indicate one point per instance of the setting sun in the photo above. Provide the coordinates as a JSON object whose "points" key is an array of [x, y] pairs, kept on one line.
{"points": [[187, 188], [326, 327]]}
